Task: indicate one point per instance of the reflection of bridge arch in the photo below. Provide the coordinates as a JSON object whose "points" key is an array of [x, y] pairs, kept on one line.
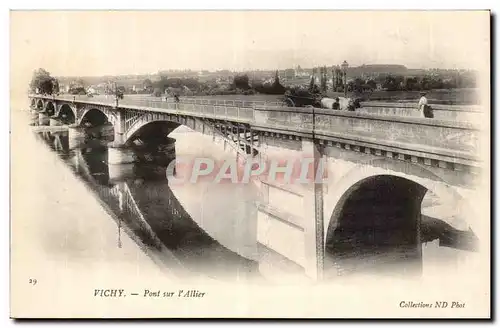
{"points": [[60, 143], [189, 243], [48, 137], [157, 220]]}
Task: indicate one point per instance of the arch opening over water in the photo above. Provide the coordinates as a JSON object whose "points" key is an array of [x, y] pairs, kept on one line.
{"points": [[151, 133], [94, 118], [378, 215], [66, 114], [39, 105], [97, 126], [50, 108]]}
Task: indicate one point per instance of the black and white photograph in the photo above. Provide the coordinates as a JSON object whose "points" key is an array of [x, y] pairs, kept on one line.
{"points": [[250, 164]]}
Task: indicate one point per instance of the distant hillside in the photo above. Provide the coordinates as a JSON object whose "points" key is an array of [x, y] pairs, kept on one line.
{"points": [[125, 80], [356, 71]]}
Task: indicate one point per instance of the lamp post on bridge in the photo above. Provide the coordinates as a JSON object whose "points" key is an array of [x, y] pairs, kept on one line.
{"points": [[344, 66], [116, 94]]}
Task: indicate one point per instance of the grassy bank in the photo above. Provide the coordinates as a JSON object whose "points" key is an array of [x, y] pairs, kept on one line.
{"points": [[443, 97]]}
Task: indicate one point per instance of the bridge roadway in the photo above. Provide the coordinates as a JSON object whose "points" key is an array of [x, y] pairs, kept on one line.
{"points": [[447, 142]]}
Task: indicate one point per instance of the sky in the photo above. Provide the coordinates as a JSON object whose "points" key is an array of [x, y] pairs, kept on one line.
{"points": [[93, 43]]}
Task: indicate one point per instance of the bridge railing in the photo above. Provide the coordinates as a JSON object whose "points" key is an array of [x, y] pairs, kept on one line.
{"points": [[225, 102], [140, 99], [468, 113], [213, 109], [457, 142], [466, 108], [256, 103]]}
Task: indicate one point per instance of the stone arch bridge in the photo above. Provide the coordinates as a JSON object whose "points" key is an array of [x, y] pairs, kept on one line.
{"points": [[382, 165]]}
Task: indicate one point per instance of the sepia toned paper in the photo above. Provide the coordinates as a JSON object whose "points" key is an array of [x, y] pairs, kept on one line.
{"points": [[89, 241]]}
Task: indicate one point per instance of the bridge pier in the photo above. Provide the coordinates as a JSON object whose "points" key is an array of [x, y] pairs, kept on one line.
{"points": [[120, 154], [34, 115], [290, 221], [121, 162], [76, 136], [120, 172], [166, 152], [43, 119], [119, 130], [313, 213], [54, 122]]}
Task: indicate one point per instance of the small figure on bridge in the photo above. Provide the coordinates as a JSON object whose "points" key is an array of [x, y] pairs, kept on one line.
{"points": [[423, 106], [336, 104], [176, 97]]}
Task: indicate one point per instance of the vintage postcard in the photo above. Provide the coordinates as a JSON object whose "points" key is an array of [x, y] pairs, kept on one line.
{"points": [[250, 164]]}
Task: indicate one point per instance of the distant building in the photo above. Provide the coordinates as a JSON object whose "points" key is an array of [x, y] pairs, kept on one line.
{"points": [[337, 77], [299, 72], [64, 88]]}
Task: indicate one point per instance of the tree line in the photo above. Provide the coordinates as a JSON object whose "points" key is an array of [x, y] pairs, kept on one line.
{"points": [[240, 84], [417, 83], [43, 82]]}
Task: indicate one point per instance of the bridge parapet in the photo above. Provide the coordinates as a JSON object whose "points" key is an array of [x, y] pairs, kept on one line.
{"points": [[456, 142], [232, 113], [471, 113], [432, 139], [225, 102], [456, 108]]}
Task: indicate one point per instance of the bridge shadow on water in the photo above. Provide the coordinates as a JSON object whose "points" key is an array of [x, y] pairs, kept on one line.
{"points": [[142, 202], [145, 207]]}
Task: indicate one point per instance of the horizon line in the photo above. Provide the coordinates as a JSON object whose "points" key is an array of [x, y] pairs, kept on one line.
{"points": [[257, 69]]}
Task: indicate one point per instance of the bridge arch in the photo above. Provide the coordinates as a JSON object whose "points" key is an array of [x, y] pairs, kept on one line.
{"points": [[50, 108], [379, 211], [150, 129], [66, 113], [33, 103], [381, 190], [39, 105], [96, 117]]}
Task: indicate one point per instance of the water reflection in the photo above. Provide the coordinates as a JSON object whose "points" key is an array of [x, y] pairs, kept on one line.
{"points": [[214, 244], [145, 203]]}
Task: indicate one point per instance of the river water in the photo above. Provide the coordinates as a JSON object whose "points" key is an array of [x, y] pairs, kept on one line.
{"points": [[203, 230]]}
